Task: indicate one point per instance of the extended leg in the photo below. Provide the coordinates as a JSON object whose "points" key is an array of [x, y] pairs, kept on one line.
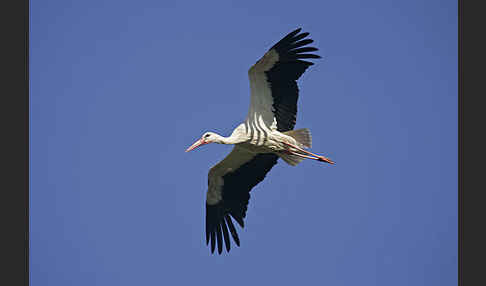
{"points": [[313, 156], [302, 155]]}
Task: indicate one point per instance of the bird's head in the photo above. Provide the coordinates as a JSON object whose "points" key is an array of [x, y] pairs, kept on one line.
{"points": [[206, 138]]}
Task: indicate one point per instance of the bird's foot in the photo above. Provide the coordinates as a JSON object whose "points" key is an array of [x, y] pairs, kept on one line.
{"points": [[324, 159]]}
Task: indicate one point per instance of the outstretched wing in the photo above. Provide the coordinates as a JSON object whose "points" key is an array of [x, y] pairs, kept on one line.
{"points": [[273, 85], [229, 186]]}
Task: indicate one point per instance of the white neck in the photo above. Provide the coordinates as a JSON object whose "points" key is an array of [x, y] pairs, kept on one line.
{"points": [[235, 138], [225, 140]]}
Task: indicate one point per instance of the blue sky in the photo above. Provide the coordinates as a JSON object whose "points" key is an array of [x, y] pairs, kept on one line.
{"points": [[119, 89]]}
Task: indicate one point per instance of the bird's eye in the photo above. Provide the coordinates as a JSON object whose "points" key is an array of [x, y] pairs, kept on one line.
{"points": [[206, 136]]}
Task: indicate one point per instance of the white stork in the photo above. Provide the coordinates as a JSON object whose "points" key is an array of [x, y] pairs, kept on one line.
{"points": [[266, 135]]}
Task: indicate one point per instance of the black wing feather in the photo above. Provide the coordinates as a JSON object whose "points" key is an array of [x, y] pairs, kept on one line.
{"points": [[299, 37], [225, 235], [236, 195], [284, 74], [304, 50], [213, 241], [232, 228], [219, 236]]}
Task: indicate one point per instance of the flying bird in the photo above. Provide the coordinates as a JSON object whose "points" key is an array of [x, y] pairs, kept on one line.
{"points": [[265, 136]]}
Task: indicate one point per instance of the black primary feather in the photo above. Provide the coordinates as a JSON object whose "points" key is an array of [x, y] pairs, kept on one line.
{"points": [[284, 74], [234, 204]]}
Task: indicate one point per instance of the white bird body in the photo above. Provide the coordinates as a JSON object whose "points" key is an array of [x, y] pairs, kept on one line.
{"points": [[266, 135]]}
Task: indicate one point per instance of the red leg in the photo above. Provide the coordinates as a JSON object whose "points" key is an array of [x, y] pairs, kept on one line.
{"points": [[317, 157]]}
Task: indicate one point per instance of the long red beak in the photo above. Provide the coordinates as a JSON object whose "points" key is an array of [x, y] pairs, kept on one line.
{"points": [[197, 144]]}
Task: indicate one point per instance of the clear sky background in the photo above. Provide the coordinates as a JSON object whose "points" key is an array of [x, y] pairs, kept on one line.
{"points": [[119, 89]]}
